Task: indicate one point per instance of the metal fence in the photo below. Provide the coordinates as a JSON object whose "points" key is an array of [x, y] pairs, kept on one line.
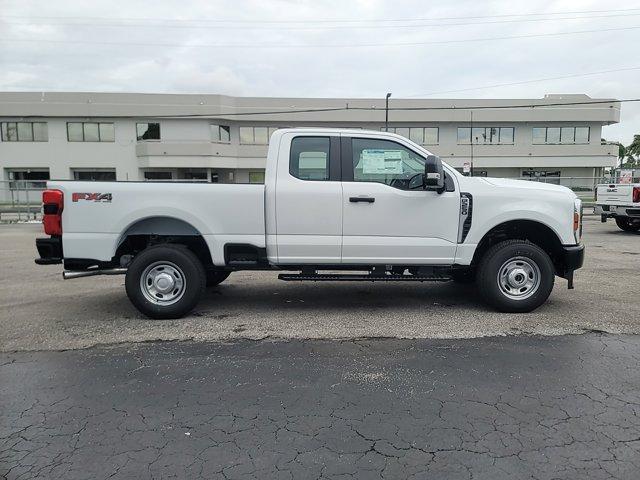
{"points": [[21, 200]]}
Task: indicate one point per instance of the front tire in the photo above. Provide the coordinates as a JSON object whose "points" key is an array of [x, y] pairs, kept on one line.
{"points": [[515, 276], [628, 225], [165, 281]]}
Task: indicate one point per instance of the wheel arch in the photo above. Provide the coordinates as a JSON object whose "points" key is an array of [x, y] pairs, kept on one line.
{"points": [[534, 231], [158, 229]]}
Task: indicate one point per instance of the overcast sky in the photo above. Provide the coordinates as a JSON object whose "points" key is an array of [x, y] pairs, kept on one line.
{"points": [[315, 48]]}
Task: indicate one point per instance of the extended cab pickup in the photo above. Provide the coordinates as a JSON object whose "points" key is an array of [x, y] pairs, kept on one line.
{"points": [[336, 205], [620, 201]]}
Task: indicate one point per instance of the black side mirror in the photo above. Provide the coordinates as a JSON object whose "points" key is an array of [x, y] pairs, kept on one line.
{"points": [[433, 174]]}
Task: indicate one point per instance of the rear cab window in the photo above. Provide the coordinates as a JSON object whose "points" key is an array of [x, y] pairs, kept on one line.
{"points": [[314, 158]]}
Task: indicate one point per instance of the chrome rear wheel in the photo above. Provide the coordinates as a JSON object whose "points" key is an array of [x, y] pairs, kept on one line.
{"points": [[163, 283]]}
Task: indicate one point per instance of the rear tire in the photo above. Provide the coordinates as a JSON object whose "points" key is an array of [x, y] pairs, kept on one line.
{"points": [[515, 276], [165, 281], [628, 225]]}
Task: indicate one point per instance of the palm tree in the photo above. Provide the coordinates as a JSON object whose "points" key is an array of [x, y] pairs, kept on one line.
{"points": [[633, 150], [622, 150]]}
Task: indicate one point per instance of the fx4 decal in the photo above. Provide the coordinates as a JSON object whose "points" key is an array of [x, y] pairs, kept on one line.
{"points": [[91, 197]]}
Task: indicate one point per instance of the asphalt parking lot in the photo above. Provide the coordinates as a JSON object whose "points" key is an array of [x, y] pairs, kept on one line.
{"points": [[269, 379], [40, 311], [485, 409]]}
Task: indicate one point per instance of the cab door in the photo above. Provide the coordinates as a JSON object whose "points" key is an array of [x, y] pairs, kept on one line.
{"points": [[308, 200], [387, 217]]}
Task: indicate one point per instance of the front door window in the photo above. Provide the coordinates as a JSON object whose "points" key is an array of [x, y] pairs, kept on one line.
{"points": [[388, 162]]}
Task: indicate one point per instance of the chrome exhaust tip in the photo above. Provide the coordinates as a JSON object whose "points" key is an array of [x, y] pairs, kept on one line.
{"points": [[71, 274]]}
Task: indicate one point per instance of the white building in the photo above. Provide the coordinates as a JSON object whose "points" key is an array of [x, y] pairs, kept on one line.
{"points": [[219, 138]]}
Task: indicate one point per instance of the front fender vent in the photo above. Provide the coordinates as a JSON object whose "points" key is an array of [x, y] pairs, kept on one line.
{"points": [[466, 213]]}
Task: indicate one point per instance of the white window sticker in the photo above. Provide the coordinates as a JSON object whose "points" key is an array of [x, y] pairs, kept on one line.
{"points": [[381, 161]]}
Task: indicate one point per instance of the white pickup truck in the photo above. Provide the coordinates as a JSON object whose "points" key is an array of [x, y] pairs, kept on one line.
{"points": [[337, 205], [620, 201]]}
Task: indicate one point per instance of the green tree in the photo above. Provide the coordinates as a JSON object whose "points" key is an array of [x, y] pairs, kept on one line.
{"points": [[622, 150], [633, 150]]}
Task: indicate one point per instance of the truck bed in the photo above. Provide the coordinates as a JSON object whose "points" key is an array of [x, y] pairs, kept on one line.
{"points": [[97, 214]]}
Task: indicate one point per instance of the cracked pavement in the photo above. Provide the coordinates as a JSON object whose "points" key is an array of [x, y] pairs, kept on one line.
{"points": [[485, 408]]}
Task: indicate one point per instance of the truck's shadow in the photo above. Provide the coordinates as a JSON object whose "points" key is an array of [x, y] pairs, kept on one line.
{"points": [[270, 297]]}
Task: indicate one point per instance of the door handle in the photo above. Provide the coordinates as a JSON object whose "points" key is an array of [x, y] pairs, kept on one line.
{"points": [[362, 199]]}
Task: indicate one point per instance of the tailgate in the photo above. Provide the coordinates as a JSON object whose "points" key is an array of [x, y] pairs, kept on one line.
{"points": [[614, 194]]}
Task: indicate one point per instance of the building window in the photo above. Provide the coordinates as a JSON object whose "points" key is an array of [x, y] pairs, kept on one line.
{"points": [[542, 176], [220, 133], [95, 175], [256, 135], [200, 175], [148, 131], [215, 177], [90, 132], [582, 134], [553, 135], [158, 176], [464, 135], [539, 135], [256, 177], [560, 135], [28, 179], [486, 135], [419, 135], [25, 132]]}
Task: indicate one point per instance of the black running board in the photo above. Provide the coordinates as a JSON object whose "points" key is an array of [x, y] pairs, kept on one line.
{"points": [[330, 277]]}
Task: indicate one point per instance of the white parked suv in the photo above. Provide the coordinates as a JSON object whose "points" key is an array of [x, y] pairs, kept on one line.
{"points": [[337, 205]]}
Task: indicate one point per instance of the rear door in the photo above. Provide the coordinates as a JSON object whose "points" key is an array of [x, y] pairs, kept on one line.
{"points": [[387, 217], [308, 202]]}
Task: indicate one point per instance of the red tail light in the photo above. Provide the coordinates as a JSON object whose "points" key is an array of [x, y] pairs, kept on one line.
{"points": [[636, 194], [53, 203]]}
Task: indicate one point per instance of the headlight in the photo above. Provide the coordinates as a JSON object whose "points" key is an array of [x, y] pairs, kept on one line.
{"points": [[577, 219]]}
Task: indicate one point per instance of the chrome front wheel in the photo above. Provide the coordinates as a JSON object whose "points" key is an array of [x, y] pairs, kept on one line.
{"points": [[515, 276], [519, 278]]}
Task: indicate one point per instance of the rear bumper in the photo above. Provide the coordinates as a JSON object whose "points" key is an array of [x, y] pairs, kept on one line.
{"points": [[612, 211], [50, 250]]}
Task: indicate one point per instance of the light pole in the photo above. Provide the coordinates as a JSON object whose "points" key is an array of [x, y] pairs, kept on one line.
{"points": [[471, 138], [386, 112]]}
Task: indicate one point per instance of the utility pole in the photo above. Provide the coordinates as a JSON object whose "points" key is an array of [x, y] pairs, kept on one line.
{"points": [[386, 113]]}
